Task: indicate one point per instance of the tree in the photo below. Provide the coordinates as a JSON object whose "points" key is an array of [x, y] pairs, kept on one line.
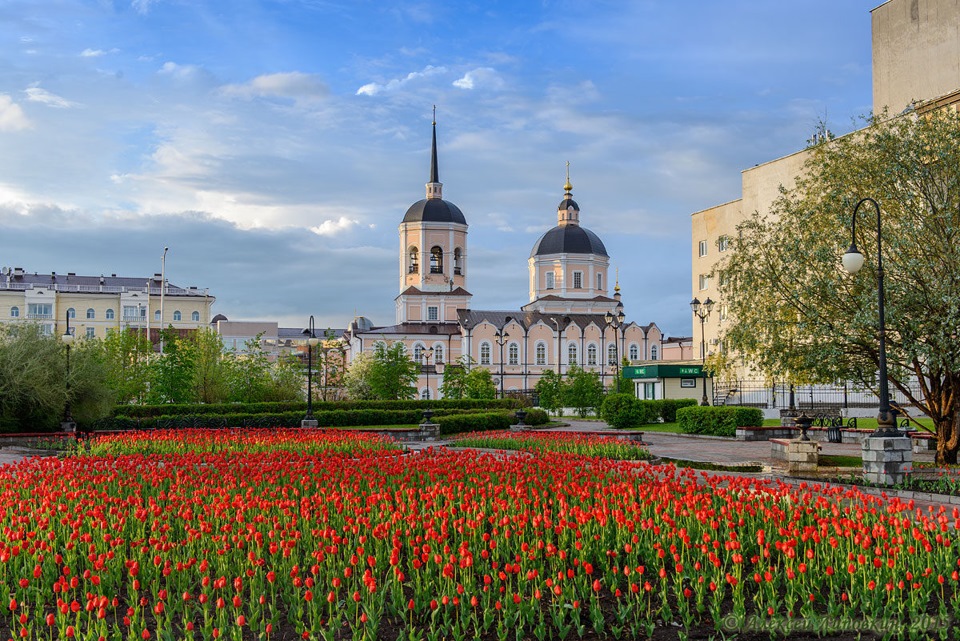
{"points": [[286, 379], [454, 385], [357, 379], [794, 311], [393, 375], [248, 373], [550, 390], [479, 384], [91, 396], [126, 360], [171, 373], [582, 391], [32, 379]]}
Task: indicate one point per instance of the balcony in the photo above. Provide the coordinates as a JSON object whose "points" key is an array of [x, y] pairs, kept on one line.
{"points": [[33, 316]]}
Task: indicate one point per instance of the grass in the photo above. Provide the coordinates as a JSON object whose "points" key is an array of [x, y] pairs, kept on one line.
{"points": [[838, 460], [863, 423]]}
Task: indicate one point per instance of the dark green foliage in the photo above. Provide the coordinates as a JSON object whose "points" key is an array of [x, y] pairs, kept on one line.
{"points": [[667, 408], [135, 411], [621, 411], [717, 421], [536, 416], [456, 423]]}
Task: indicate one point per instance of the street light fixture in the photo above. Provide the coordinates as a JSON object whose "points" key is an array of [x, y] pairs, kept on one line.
{"points": [[68, 425], [616, 321], [702, 311], [428, 356], [312, 341], [852, 262], [501, 337]]}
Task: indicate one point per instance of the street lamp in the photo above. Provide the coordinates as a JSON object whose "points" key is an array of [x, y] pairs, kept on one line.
{"points": [[852, 262], [616, 322], [312, 341], [556, 324], [163, 283], [428, 356], [68, 425], [702, 311], [501, 337]]}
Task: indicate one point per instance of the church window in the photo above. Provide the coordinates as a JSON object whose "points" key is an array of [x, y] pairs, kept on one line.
{"points": [[438, 354], [550, 279], [577, 280], [513, 354], [634, 352], [458, 261], [612, 354], [433, 313], [177, 315], [418, 353], [541, 352], [436, 260], [484, 353], [572, 353], [653, 353], [195, 317], [156, 315], [600, 281], [414, 261], [591, 355]]}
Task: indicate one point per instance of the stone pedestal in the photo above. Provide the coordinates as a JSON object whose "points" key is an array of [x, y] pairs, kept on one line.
{"points": [[887, 460], [429, 431], [311, 423], [520, 428], [69, 427], [802, 456]]}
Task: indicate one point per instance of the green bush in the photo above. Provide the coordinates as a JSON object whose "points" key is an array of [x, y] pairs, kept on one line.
{"points": [[536, 416], [667, 408], [456, 423], [621, 411], [717, 421]]}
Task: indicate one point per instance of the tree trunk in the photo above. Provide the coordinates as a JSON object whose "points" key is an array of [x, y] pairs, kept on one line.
{"points": [[948, 439]]}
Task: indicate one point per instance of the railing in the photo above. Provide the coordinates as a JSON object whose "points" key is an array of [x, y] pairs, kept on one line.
{"points": [[756, 393], [102, 289], [39, 316]]}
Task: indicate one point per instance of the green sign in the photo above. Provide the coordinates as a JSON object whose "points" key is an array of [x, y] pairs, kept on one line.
{"points": [[662, 371]]}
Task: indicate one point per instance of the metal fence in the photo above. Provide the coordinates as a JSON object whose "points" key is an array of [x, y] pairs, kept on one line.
{"points": [[763, 394]]}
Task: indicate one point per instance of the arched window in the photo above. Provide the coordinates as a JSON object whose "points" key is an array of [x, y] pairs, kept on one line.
{"points": [[413, 262], [71, 313], [550, 276], [484, 353], [418, 353], [513, 354], [195, 317], [436, 259], [14, 312], [177, 315], [634, 352], [572, 353], [612, 354], [653, 352], [541, 352], [91, 313], [458, 261], [424, 394], [591, 354], [110, 314], [156, 315], [438, 353]]}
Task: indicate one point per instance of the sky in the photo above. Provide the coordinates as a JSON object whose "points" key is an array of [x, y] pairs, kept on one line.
{"points": [[274, 146]]}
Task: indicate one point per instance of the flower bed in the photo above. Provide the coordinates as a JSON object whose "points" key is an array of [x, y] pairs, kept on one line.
{"points": [[305, 534], [578, 443]]}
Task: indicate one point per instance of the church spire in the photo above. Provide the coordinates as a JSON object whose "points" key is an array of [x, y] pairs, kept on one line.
{"points": [[568, 213], [434, 187]]}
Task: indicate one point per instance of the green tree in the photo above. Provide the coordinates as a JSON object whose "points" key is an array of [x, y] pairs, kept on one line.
{"points": [[209, 381], [479, 384], [627, 385], [393, 375], [286, 379], [582, 391], [32, 379], [794, 311], [248, 374], [126, 361], [171, 373], [91, 396], [550, 390], [454, 385]]}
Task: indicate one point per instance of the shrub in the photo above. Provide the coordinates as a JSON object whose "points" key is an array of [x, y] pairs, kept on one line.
{"points": [[622, 410], [456, 423], [536, 416], [668, 407], [717, 421]]}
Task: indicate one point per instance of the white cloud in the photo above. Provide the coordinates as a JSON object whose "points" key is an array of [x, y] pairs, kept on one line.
{"points": [[142, 6], [179, 71], [374, 88], [334, 227], [480, 77], [92, 53], [292, 84], [37, 94], [12, 117]]}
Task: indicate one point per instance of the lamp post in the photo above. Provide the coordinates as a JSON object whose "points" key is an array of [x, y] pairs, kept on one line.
{"points": [[556, 324], [428, 356], [163, 287], [702, 311], [67, 425], [616, 322], [501, 337], [312, 340], [852, 262]]}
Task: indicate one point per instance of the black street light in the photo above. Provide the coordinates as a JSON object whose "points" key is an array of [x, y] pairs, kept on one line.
{"points": [[702, 311], [68, 424], [616, 321], [501, 337], [852, 262], [428, 356], [556, 324], [312, 341]]}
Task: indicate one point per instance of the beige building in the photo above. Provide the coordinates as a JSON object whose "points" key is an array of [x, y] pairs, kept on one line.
{"points": [[916, 65], [564, 323], [95, 305]]}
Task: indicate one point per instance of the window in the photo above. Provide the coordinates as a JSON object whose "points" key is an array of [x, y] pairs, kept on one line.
{"points": [[703, 248], [131, 313], [612, 354], [433, 313], [418, 353], [704, 281], [550, 279], [425, 394], [723, 312], [40, 311], [457, 261], [46, 329], [110, 314], [654, 352], [14, 312], [71, 313], [634, 352], [513, 354], [91, 313], [438, 353], [650, 391], [413, 262], [578, 280], [723, 244], [591, 354], [177, 315], [541, 354], [572, 353], [91, 332], [600, 281], [484, 353], [156, 315], [436, 260]]}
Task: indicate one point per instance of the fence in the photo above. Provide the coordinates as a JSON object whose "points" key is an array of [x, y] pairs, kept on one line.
{"points": [[763, 394]]}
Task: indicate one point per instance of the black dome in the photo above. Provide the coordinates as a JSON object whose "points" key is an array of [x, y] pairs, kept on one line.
{"points": [[567, 203], [569, 239], [434, 210]]}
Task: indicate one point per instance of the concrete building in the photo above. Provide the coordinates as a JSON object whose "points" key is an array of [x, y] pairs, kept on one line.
{"points": [[98, 304]]}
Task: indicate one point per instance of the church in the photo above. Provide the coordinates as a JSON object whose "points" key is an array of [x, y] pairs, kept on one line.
{"points": [[569, 321]]}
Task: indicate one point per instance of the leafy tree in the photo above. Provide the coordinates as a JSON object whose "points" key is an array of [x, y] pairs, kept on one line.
{"points": [[582, 391], [357, 379], [171, 373], [126, 361], [627, 385], [91, 396], [479, 384], [209, 382], [286, 379], [794, 311], [550, 390], [32, 379], [393, 375], [248, 373], [454, 385]]}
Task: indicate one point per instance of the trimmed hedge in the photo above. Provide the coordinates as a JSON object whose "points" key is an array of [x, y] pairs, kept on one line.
{"points": [[457, 423], [535, 416], [623, 410], [717, 421]]}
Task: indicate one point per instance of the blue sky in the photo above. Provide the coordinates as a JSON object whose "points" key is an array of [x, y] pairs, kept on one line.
{"points": [[275, 146]]}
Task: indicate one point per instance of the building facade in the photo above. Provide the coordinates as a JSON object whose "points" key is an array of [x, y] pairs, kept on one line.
{"points": [[564, 323]]}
